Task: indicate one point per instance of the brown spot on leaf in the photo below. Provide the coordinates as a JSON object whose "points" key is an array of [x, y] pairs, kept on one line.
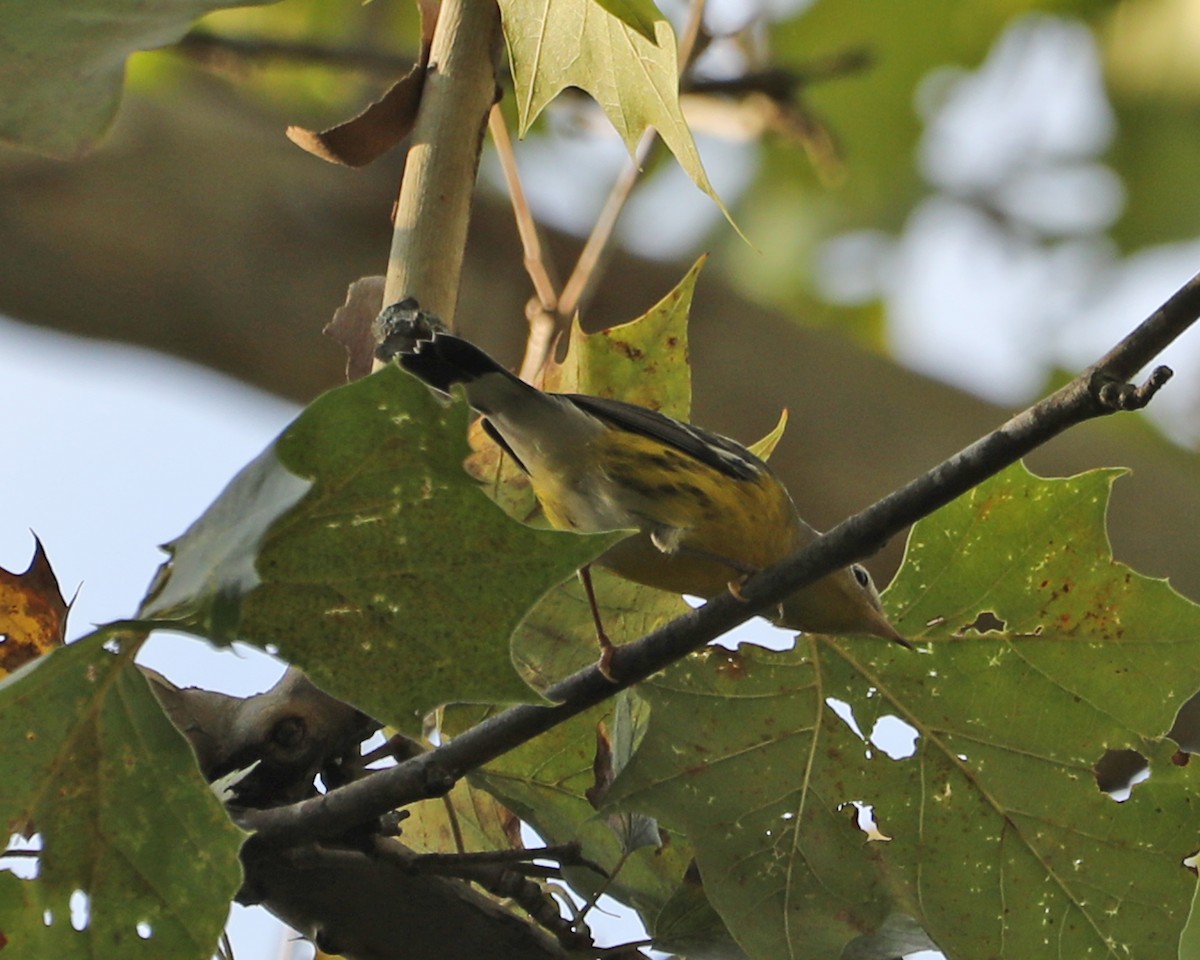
{"points": [[627, 348]]}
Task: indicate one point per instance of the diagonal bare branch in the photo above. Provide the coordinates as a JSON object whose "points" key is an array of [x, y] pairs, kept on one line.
{"points": [[1100, 390]]}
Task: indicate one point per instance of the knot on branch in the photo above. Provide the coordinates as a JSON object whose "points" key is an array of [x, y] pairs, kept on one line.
{"points": [[438, 780], [1116, 395]]}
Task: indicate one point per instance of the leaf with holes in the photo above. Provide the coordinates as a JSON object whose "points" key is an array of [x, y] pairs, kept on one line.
{"points": [[131, 835], [357, 546], [991, 830]]}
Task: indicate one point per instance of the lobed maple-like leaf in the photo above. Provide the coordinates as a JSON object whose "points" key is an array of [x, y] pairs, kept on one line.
{"points": [[992, 832], [130, 834], [555, 44], [358, 547], [33, 613]]}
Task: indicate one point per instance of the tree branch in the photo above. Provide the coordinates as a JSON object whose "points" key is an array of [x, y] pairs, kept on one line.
{"points": [[360, 905], [430, 225], [1097, 391]]}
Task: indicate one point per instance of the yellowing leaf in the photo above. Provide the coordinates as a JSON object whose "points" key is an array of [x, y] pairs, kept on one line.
{"points": [[33, 613], [465, 820], [644, 361], [555, 44], [766, 446]]}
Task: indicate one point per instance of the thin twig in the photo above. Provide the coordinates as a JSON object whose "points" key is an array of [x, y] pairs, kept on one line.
{"points": [[213, 47], [1092, 394], [567, 854], [541, 311], [594, 255], [603, 888], [540, 273]]}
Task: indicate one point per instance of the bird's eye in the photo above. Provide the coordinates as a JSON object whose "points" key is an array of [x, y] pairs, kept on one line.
{"points": [[861, 575]]}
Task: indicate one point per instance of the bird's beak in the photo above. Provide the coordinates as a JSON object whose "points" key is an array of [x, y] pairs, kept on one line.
{"points": [[881, 626]]}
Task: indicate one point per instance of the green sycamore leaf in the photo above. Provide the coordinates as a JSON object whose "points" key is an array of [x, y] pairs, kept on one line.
{"points": [[357, 546], [63, 64], [639, 14], [93, 766], [746, 756], [555, 44]]}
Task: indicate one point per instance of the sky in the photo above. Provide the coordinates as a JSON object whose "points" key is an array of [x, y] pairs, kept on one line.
{"points": [[116, 450]]}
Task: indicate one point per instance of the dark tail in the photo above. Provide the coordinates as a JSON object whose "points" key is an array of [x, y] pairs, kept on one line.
{"points": [[431, 354]]}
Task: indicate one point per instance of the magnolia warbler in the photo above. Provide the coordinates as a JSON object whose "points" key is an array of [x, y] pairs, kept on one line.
{"points": [[708, 510]]}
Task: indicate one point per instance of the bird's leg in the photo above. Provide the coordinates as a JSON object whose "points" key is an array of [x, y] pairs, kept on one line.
{"points": [[607, 648]]}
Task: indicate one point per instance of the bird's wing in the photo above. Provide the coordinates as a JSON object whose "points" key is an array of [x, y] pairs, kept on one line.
{"points": [[720, 453]]}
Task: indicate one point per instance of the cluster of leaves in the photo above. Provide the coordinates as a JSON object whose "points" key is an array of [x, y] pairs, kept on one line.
{"points": [[993, 835], [728, 788]]}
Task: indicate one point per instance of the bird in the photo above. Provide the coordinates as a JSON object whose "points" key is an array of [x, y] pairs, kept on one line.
{"points": [[707, 511]]}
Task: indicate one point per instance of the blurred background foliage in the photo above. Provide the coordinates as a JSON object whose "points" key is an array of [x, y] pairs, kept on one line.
{"points": [[948, 205]]}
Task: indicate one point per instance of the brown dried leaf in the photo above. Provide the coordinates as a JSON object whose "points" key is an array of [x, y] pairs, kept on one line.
{"points": [[383, 124], [603, 771], [33, 613], [351, 325]]}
